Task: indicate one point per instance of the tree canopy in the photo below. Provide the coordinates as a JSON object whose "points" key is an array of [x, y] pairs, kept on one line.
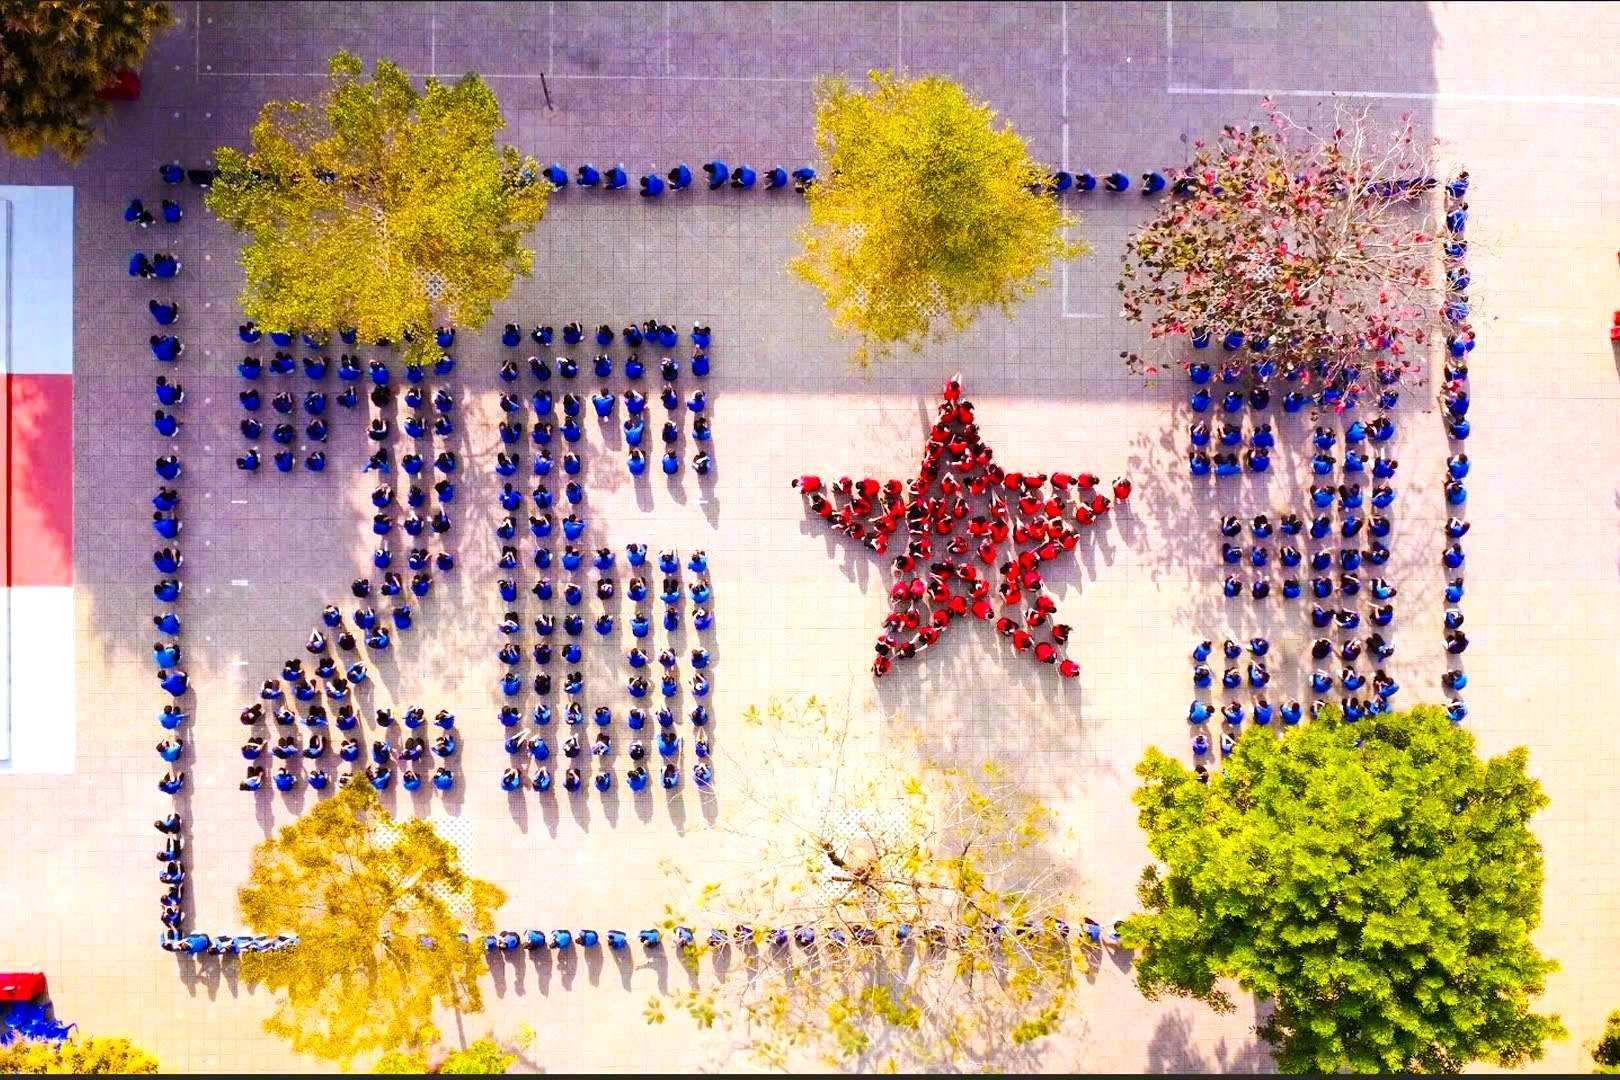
{"points": [[380, 208], [81, 1056], [930, 897], [54, 57], [1377, 883], [481, 1057], [1606, 1051], [377, 905], [1322, 244], [925, 212]]}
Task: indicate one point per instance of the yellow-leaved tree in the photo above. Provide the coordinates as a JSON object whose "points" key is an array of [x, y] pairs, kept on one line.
{"points": [[894, 914], [924, 213], [81, 1057], [487, 1056], [56, 56], [380, 208], [378, 906]]}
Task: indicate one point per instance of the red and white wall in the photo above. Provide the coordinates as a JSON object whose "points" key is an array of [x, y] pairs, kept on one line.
{"points": [[36, 459]]}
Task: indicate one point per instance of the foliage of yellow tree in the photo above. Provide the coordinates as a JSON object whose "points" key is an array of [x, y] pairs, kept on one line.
{"points": [[55, 56], [380, 208], [482, 1057], [89, 1056], [1606, 1050], [925, 212], [373, 902], [932, 892]]}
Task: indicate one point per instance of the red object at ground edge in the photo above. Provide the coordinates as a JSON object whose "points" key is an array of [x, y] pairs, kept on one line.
{"points": [[21, 985], [125, 87]]}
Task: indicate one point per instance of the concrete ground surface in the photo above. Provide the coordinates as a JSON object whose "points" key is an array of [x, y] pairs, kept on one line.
{"points": [[1522, 96]]}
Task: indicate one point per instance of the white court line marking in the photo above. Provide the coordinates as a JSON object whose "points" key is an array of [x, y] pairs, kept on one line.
{"points": [[1063, 273], [669, 60], [1403, 95], [433, 38], [1169, 42], [1377, 95], [551, 35], [899, 37], [239, 581], [196, 41]]}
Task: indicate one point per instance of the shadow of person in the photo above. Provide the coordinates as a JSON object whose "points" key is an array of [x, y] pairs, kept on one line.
{"points": [[658, 962], [262, 812], [675, 804], [580, 806], [517, 806], [495, 960], [593, 966], [540, 960], [520, 973], [549, 814], [626, 966], [641, 803]]}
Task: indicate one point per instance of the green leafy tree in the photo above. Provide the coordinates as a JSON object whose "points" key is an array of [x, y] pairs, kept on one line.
{"points": [[1606, 1051], [87, 1056], [1376, 882], [374, 903], [925, 212], [380, 208], [55, 55], [873, 838]]}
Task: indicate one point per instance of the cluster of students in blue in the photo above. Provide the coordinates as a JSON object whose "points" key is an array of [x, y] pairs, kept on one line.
{"points": [[1221, 445], [1341, 515], [548, 423], [330, 690], [562, 624], [1454, 402], [649, 729], [431, 408], [1153, 182], [745, 936], [168, 560], [716, 174], [741, 936]]}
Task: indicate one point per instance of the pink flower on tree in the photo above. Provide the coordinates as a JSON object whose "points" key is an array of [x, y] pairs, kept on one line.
{"points": [[1321, 245]]}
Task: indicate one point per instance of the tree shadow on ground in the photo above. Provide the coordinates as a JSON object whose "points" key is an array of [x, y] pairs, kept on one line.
{"points": [[1171, 1049]]}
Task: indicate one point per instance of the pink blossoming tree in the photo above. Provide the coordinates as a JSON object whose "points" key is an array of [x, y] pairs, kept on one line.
{"points": [[1319, 248]]}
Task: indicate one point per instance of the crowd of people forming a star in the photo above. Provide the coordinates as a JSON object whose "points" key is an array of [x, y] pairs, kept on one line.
{"points": [[975, 536]]}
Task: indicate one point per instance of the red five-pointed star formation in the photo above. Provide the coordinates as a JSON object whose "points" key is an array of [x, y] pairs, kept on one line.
{"points": [[975, 536]]}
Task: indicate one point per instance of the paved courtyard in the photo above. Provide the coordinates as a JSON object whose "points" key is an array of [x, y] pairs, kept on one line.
{"points": [[1524, 97]]}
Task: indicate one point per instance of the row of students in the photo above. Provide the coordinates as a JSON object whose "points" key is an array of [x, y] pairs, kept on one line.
{"points": [[1455, 400], [653, 184], [167, 350], [637, 778]]}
